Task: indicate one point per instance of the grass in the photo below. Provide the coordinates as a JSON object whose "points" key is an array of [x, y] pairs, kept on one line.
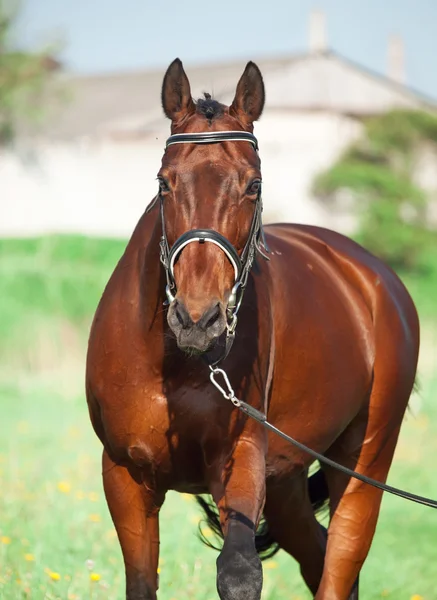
{"points": [[56, 537], [64, 276], [56, 533], [49, 289]]}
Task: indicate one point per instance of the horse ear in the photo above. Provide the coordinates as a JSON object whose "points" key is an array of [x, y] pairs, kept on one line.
{"points": [[176, 93], [249, 99]]}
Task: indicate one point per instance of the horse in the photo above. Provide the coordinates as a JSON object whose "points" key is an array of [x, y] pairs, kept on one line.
{"points": [[326, 345]]}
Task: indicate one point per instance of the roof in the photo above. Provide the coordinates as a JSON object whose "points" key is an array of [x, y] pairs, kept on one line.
{"points": [[331, 82], [129, 103]]}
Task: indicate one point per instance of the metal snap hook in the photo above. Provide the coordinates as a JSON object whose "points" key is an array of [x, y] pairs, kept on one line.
{"points": [[232, 325], [230, 394], [169, 295]]}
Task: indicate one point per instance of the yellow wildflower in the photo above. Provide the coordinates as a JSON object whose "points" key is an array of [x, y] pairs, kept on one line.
{"points": [[23, 427], [111, 533], [95, 577], [95, 518], [195, 519], [73, 432], [207, 532], [5, 539], [270, 564], [64, 487], [54, 576], [416, 597], [29, 557]]}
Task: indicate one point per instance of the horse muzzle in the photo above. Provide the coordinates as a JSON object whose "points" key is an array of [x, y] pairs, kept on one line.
{"points": [[196, 332]]}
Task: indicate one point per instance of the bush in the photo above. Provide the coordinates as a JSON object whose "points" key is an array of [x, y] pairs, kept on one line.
{"points": [[24, 80], [378, 172]]}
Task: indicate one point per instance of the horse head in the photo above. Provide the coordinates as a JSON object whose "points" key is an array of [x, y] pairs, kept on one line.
{"points": [[210, 191]]}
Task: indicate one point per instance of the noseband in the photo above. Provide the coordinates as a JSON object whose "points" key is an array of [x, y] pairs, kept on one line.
{"points": [[241, 264]]}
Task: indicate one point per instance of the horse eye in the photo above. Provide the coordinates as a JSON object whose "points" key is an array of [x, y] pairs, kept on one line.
{"points": [[254, 187], [163, 185]]}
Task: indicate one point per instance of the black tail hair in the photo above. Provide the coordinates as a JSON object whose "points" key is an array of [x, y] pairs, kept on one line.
{"points": [[265, 544], [417, 388], [417, 384]]}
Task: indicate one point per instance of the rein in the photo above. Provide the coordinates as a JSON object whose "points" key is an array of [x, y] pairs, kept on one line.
{"points": [[256, 414], [241, 264]]}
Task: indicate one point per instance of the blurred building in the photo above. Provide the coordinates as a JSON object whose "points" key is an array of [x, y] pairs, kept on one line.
{"points": [[99, 154]]}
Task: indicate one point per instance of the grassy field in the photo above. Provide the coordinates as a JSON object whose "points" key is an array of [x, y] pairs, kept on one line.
{"points": [[56, 537]]}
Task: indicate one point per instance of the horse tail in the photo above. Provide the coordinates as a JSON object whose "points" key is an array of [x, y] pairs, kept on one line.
{"points": [[265, 544], [318, 492]]}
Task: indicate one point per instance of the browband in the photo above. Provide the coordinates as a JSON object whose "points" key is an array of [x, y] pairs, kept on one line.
{"points": [[211, 137]]}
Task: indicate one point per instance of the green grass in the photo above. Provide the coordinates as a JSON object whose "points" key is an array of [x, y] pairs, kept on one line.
{"points": [[64, 276], [58, 275], [49, 289], [53, 512], [53, 516]]}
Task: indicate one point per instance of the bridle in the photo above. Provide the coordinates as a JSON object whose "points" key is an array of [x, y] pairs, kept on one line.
{"points": [[241, 264]]}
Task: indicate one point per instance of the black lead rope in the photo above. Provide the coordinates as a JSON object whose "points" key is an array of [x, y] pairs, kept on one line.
{"points": [[261, 418]]}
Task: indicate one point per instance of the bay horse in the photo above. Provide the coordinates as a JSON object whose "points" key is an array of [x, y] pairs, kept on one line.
{"points": [[326, 344]]}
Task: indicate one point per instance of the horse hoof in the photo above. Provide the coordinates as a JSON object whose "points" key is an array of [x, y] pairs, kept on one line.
{"points": [[239, 575]]}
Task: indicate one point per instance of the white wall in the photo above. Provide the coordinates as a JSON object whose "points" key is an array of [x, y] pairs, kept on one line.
{"points": [[294, 147], [102, 187], [89, 188]]}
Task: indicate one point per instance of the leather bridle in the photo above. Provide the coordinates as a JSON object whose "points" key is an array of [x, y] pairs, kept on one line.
{"points": [[241, 264]]}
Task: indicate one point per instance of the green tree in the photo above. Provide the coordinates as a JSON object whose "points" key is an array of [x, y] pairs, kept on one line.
{"points": [[24, 80], [378, 171]]}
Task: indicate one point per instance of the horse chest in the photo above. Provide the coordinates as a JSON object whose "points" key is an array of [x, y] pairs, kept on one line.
{"points": [[169, 440]]}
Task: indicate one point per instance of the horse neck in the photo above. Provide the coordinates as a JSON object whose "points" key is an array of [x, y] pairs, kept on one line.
{"points": [[152, 276]]}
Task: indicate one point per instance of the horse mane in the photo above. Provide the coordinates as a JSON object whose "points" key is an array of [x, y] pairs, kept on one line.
{"points": [[209, 108]]}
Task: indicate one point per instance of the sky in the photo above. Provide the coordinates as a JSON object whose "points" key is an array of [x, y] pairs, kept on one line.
{"points": [[114, 35]]}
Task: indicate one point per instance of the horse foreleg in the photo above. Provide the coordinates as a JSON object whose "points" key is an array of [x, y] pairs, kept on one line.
{"points": [[134, 508], [238, 488]]}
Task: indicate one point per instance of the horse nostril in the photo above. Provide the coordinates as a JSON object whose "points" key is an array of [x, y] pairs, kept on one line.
{"points": [[211, 317], [182, 314]]}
